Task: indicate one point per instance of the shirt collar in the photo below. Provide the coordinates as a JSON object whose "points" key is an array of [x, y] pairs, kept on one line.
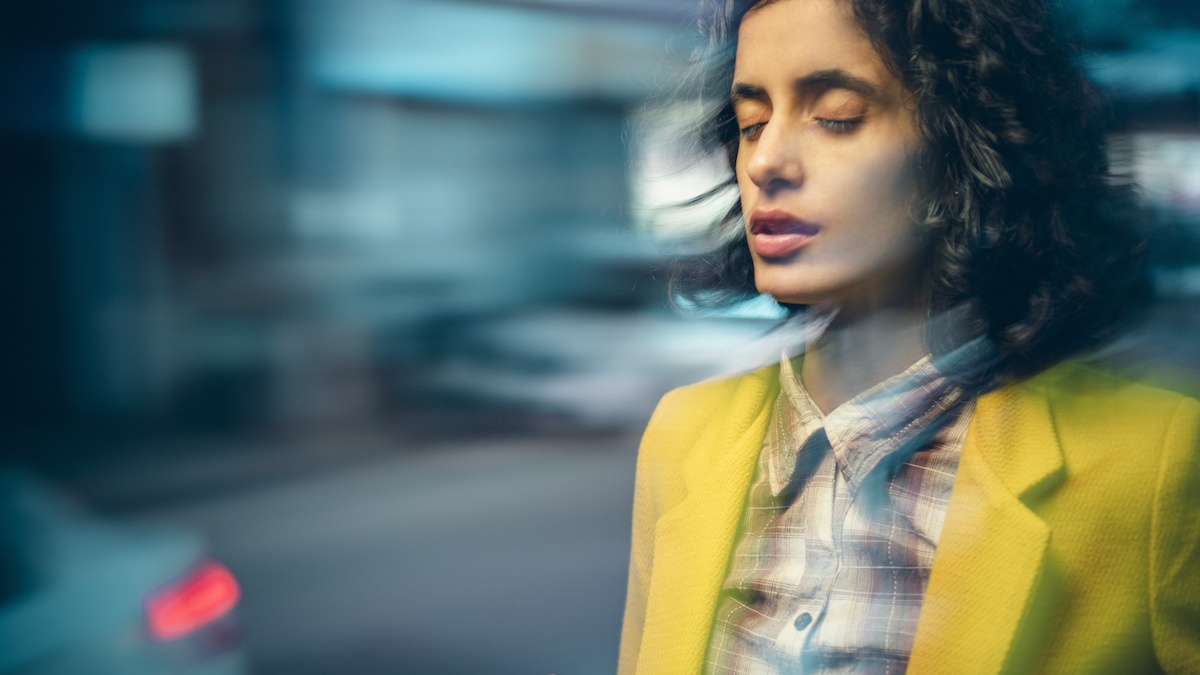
{"points": [[892, 419]]}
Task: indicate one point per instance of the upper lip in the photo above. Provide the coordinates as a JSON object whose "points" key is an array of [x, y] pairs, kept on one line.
{"points": [[775, 221]]}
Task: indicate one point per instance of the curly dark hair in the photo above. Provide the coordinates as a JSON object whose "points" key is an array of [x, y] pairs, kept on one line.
{"points": [[1032, 232]]}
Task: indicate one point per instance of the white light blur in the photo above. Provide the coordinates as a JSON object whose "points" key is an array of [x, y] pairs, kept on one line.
{"points": [[1166, 166], [667, 169]]}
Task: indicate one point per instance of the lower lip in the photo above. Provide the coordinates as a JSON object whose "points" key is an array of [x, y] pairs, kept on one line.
{"points": [[779, 245]]}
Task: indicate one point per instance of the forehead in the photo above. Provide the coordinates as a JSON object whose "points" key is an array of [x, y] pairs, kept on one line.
{"points": [[787, 39]]}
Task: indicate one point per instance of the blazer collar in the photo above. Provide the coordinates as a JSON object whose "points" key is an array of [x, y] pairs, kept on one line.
{"points": [[990, 562], [990, 556]]}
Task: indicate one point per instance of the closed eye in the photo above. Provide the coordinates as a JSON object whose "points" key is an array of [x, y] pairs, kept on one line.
{"points": [[752, 131], [840, 126]]}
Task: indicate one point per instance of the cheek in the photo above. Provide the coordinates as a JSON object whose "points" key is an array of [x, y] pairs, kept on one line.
{"points": [[739, 172], [746, 192], [889, 183]]}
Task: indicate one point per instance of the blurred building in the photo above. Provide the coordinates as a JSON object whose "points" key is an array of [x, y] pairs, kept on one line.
{"points": [[227, 212], [285, 276]]}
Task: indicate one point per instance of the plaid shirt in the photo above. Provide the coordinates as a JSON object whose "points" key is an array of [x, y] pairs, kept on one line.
{"points": [[842, 523]]}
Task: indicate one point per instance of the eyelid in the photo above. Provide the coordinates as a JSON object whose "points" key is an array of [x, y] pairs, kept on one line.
{"points": [[843, 116], [748, 109], [745, 132], [749, 117], [840, 125]]}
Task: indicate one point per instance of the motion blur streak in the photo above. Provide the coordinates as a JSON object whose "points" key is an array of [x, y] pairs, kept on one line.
{"points": [[367, 300]]}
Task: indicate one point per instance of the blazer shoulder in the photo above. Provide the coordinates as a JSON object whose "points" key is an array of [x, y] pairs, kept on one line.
{"points": [[720, 389], [1080, 379], [684, 413], [1085, 394]]}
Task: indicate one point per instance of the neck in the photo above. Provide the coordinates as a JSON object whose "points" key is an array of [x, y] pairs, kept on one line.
{"points": [[857, 352]]}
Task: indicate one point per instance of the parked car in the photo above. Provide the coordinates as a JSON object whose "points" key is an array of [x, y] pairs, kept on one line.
{"points": [[80, 595]]}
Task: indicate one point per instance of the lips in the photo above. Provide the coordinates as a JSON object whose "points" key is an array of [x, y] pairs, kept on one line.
{"points": [[778, 234]]}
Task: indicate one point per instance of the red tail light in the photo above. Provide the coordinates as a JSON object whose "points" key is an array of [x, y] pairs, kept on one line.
{"points": [[208, 593]]}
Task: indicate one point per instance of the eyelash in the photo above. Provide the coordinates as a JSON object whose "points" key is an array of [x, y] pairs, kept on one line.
{"points": [[838, 126], [752, 130]]}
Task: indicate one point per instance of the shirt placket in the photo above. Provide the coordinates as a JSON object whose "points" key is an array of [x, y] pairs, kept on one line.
{"points": [[798, 631]]}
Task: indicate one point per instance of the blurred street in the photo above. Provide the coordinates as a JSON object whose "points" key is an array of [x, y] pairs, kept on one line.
{"points": [[370, 300], [481, 557]]}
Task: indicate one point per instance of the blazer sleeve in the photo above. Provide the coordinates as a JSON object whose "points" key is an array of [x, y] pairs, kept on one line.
{"points": [[1175, 545], [658, 487], [645, 517], [641, 556]]}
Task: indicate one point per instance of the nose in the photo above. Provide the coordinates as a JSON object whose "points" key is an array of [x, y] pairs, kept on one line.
{"points": [[774, 163]]}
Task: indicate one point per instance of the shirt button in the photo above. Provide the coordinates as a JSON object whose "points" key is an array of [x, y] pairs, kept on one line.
{"points": [[803, 620]]}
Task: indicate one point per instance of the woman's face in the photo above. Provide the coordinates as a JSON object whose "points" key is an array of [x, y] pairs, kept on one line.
{"points": [[825, 160]]}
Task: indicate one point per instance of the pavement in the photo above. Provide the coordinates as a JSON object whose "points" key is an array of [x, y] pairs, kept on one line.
{"points": [[483, 556]]}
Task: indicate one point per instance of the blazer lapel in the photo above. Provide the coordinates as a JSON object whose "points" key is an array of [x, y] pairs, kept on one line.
{"points": [[991, 555], [694, 539]]}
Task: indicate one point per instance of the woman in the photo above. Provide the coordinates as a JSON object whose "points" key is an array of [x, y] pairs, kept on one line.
{"points": [[931, 486]]}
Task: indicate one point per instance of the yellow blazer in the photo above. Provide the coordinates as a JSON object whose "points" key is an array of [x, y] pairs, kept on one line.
{"points": [[1071, 543]]}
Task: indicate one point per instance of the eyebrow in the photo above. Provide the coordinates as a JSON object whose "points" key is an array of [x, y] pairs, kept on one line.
{"points": [[811, 85]]}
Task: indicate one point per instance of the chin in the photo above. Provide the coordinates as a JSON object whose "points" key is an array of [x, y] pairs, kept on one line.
{"points": [[792, 298], [797, 293], [841, 288]]}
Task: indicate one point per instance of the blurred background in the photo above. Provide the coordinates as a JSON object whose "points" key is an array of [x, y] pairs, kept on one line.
{"points": [[331, 326]]}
